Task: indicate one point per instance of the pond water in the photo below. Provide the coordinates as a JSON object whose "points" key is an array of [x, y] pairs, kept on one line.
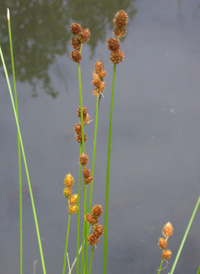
{"points": [[155, 174]]}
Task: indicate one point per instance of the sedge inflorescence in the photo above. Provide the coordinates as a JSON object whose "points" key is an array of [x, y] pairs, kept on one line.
{"points": [[167, 231], [83, 159], [72, 198], [120, 21], [98, 229], [98, 75], [80, 36], [77, 127]]}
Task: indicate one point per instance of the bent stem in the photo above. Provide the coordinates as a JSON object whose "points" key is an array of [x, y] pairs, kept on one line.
{"points": [[25, 164], [108, 174], [18, 145], [185, 236], [66, 244]]}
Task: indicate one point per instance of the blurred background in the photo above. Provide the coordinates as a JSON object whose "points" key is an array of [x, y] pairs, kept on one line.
{"points": [[155, 156]]}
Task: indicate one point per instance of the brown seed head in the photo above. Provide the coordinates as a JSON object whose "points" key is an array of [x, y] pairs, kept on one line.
{"points": [[121, 19], [97, 211], [88, 180], [120, 32], [77, 128], [166, 254], [76, 42], [162, 243], [92, 240], [67, 192], [86, 119], [73, 209], [102, 74], [84, 112], [96, 92], [79, 138], [117, 57], [98, 66], [69, 180], [113, 44], [96, 81], [86, 173], [85, 35], [83, 159], [168, 230], [75, 28], [76, 56], [73, 199], [98, 231], [90, 219], [102, 86]]}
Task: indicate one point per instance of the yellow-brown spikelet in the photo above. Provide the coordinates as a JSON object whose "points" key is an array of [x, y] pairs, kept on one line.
{"points": [[98, 231], [69, 180], [86, 119], [93, 240], [67, 192], [167, 230], [75, 28], [102, 86], [162, 243], [102, 74], [166, 254], [113, 44], [97, 211], [73, 199], [120, 32], [73, 209], [85, 35], [86, 173], [76, 56], [79, 138], [121, 19], [96, 92], [117, 57], [96, 81], [88, 180], [84, 112], [77, 128], [83, 159], [76, 42], [98, 66], [90, 219]]}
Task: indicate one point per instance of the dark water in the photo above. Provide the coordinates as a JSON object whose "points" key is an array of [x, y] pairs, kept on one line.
{"points": [[155, 170]]}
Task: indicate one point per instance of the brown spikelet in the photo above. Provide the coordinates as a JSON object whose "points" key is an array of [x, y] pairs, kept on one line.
{"points": [[113, 44], [102, 74], [75, 28], [85, 35], [98, 231], [73, 199], [88, 180], [77, 128], [86, 173], [93, 240], [79, 138], [98, 66], [76, 42], [84, 112], [76, 56], [166, 254], [73, 209], [83, 159], [168, 230], [102, 86], [117, 57], [67, 192], [69, 180], [121, 19], [97, 211], [120, 32], [96, 81], [96, 92], [90, 219], [162, 243]]}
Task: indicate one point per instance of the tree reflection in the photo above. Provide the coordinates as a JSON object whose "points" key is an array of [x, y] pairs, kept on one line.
{"points": [[40, 32]]}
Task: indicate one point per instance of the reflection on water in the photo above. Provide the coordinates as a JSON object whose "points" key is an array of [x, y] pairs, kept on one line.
{"points": [[40, 31]]}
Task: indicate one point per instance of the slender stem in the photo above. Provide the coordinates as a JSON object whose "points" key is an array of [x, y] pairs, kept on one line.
{"points": [[25, 164], [198, 271], [18, 145], [66, 244], [160, 266], [108, 174], [185, 236], [91, 259], [78, 216]]}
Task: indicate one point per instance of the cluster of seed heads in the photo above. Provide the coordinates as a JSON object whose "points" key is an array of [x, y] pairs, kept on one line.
{"points": [[167, 231], [72, 198], [86, 172], [98, 75], [77, 127], [92, 219]]}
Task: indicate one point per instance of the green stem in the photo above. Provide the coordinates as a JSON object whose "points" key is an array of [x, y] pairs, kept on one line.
{"points": [[160, 266], [18, 145], [108, 175], [78, 216], [25, 164], [91, 259], [66, 244], [185, 236], [198, 271]]}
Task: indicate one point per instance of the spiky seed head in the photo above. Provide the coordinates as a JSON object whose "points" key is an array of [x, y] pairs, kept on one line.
{"points": [[73, 209], [73, 199], [67, 192], [69, 180]]}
